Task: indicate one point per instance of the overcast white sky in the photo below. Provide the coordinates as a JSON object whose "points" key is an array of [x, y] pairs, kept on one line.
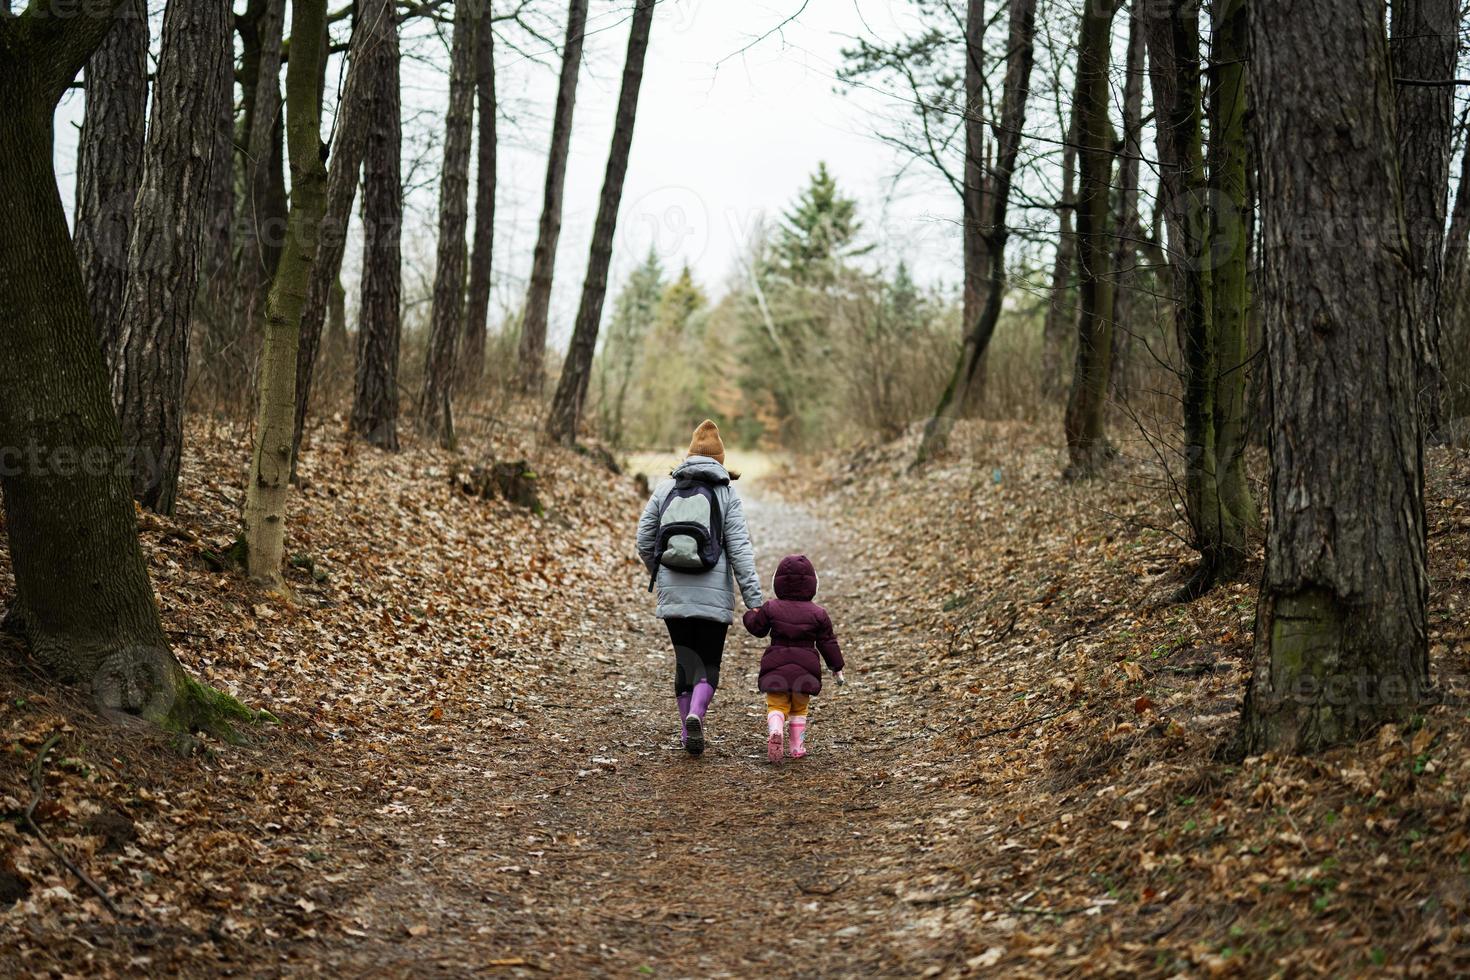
{"points": [[724, 140]]}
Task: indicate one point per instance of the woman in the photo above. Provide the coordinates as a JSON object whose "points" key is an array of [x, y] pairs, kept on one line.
{"points": [[697, 601]]}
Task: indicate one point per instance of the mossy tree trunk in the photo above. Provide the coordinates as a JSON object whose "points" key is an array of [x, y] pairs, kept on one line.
{"points": [[83, 600], [446, 318], [267, 485], [531, 377], [374, 18], [110, 165], [375, 384], [1341, 631], [576, 375], [1086, 419], [477, 304], [1230, 293], [152, 350], [1424, 45], [993, 232]]}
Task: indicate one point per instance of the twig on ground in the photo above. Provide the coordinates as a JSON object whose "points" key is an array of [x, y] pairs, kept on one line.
{"points": [[1025, 724], [38, 786]]}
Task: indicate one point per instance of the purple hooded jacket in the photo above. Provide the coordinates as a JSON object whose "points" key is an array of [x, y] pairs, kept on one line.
{"points": [[799, 629]]}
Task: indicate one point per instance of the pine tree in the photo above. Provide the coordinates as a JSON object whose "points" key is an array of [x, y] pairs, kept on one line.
{"points": [[818, 232]]}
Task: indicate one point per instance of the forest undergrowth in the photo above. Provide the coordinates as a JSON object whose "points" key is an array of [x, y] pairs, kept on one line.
{"points": [[1096, 718], [420, 619], [473, 769]]}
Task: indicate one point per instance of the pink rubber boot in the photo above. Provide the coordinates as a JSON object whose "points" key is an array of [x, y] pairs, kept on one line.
{"points": [[798, 736], [775, 724]]}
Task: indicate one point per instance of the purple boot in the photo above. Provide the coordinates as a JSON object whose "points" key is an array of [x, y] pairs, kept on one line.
{"points": [[683, 714], [694, 721]]}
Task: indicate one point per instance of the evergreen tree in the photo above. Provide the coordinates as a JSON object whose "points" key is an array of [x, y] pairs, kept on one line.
{"points": [[817, 233], [633, 313]]}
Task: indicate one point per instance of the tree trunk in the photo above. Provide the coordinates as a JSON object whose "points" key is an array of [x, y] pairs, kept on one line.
{"points": [[374, 18], [1455, 337], [83, 600], [995, 233], [375, 385], [217, 249], [446, 321], [1341, 633], [477, 307], [1174, 59], [1230, 229], [1125, 213], [532, 375], [267, 487], [1424, 45], [1061, 312], [571, 391], [262, 227], [1086, 418], [152, 353], [973, 184], [111, 165]]}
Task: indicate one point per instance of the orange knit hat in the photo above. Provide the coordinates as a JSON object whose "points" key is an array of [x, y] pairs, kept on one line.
{"points": [[707, 442]]}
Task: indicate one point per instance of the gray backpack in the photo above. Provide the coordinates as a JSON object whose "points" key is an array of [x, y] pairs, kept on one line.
{"points": [[690, 529]]}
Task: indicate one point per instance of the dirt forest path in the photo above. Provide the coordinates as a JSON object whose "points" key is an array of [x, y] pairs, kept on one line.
{"points": [[616, 854]]}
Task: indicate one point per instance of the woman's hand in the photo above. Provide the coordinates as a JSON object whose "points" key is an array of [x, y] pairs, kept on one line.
{"points": [[839, 678]]}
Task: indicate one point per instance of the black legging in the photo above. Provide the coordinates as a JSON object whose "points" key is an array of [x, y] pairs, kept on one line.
{"points": [[698, 646]]}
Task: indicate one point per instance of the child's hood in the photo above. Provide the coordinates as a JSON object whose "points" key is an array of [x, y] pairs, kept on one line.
{"points": [[795, 579]]}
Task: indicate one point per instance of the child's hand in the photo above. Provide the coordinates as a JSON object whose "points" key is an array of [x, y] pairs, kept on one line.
{"points": [[839, 678]]}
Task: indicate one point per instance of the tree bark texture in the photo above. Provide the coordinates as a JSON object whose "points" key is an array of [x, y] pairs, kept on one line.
{"points": [[477, 305], [267, 487], [213, 311], [83, 599], [1230, 230], [152, 353], [446, 319], [110, 169], [532, 374], [1341, 635], [374, 19], [375, 384], [576, 375], [1424, 44], [1086, 418], [994, 231]]}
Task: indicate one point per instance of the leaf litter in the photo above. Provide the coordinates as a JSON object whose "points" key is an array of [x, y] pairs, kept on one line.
{"points": [[475, 769]]}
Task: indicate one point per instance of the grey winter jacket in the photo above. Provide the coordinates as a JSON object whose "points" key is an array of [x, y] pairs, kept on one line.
{"points": [[711, 594]]}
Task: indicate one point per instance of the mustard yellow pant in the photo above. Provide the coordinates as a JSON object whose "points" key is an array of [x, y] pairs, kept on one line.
{"points": [[791, 705]]}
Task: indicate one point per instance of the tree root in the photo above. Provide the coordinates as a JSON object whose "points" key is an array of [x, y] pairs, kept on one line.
{"points": [[200, 708]]}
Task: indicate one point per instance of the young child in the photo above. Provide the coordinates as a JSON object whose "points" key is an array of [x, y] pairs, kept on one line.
{"points": [[790, 669]]}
